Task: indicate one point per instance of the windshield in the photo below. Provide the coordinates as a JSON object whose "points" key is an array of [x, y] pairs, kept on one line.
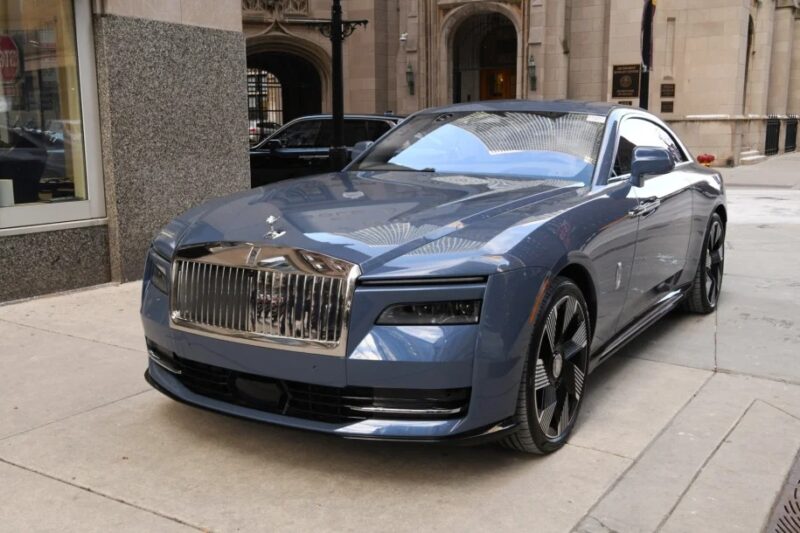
{"points": [[526, 145]]}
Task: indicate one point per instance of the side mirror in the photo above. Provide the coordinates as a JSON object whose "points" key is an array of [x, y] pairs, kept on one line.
{"points": [[273, 144], [359, 148], [650, 161]]}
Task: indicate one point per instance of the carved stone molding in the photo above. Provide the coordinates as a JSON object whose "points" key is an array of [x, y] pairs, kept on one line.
{"points": [[273, 10]]}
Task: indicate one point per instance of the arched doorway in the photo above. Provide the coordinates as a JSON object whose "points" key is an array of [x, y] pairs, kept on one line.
{"points": [[484, 58], [281, 86]]}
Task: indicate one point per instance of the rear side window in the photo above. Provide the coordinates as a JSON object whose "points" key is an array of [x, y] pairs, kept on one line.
{"points": [[637, 132], [355, 131], [376, 128]]}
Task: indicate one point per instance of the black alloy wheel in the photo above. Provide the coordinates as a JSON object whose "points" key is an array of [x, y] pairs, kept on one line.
{"points": [[551, 393], [704, 294]]}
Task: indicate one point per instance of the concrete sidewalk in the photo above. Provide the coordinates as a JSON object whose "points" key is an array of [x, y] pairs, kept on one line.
{"points": [[776, 171], [693, 427]]}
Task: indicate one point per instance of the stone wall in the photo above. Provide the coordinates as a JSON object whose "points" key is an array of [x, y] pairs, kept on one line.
{"points": [[173, 116], [53, 261]]}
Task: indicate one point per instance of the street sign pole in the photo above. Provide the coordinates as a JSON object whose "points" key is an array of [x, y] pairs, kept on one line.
{"points": [[338, 150], [648, 14]]}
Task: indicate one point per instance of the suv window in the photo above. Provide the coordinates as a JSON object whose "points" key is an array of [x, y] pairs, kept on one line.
{"points": [[376, 128], [639, 132], [354, 131], [303, 134]]}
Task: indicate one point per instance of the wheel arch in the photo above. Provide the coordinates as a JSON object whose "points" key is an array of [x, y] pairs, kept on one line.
{"points": [[723, 213], [580, 275]]}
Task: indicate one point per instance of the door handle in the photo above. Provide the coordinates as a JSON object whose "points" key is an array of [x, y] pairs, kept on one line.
{"points": [[646, 207]]}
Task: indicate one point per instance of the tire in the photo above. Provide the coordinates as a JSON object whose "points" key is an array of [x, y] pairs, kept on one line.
{"points": [[551, 394], [703, 296]]}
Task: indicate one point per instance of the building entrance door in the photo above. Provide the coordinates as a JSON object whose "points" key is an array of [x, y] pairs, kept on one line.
{"points": [[498, 83], [484, 58]]}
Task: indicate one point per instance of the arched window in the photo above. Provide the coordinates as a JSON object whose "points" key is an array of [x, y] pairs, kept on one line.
{"points": [[264, 103]]}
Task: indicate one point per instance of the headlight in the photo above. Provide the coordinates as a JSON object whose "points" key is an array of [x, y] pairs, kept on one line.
{"points": [[432, 313], [159, 278]]}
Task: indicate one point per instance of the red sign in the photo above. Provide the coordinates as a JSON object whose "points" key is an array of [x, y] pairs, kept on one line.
{"points": [[9, 59]]}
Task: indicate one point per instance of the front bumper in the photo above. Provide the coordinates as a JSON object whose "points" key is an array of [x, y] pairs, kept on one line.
{"points": [[485, 359]]}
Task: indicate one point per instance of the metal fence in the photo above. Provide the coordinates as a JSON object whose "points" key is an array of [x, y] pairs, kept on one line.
{"points": [[791, 135], [773, 142]]}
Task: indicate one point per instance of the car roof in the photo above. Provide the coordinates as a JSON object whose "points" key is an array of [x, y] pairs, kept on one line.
{"points": [[368, 116], [542, 106]]}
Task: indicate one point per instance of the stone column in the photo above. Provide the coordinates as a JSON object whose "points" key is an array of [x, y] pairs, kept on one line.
{"points": [[554, 79], [779, 74], [588, 50], [794, 82], [760, 60], [173, 111]]}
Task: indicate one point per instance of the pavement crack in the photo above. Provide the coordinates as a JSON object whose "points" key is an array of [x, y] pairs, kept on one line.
{"points": [[103, 495], [592, 524], [716, 338], [627, 458]]}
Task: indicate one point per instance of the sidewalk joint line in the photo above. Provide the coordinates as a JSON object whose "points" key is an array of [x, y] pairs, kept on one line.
{"points": [[704, 465], [78, 337], [641, 454], [726, 371], [102, 494], [72, 415]]}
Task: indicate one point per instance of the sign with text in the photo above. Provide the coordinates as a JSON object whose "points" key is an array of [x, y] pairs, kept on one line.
{"points": [[667, 90], [625, 81], [9, 59]]}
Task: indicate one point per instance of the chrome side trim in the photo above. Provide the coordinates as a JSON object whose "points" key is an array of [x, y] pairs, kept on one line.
{"points": [[166, 365], [423, 281]]}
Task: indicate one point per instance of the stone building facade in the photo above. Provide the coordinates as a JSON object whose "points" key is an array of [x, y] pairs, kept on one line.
{"points": [[721, 67], [116, 115]]}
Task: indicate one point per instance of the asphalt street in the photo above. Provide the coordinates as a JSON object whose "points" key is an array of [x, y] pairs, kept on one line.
{"points": [[693, 427]]}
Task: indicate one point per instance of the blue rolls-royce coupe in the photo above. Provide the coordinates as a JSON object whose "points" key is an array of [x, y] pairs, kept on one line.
{"points": [[459, 280]]}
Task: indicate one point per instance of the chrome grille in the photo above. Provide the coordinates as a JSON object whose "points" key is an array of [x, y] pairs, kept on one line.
{"points": [[289, 306]]}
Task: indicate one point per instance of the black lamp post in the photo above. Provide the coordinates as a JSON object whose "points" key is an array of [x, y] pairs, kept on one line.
{"points": [[337, 30]]}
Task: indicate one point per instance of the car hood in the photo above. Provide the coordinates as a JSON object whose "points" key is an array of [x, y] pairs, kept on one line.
{"points": [[371, 218]]}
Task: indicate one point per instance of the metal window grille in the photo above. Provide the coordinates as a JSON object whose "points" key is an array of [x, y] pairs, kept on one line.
{"points": [[772, 144], [791, 135], [264, 103]]}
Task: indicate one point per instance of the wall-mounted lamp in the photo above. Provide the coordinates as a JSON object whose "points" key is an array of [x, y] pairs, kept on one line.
{"points": [[410, 78], [532, 73]]}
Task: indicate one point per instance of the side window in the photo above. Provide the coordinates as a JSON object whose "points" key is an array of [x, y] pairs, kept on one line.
{"points": [[355, 131], [672, 146], [325, 136], [376, 128], [301, 135], [637, 132]]}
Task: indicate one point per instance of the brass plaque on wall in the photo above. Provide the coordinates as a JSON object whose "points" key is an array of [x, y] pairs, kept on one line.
{"points": [[625, 81]]}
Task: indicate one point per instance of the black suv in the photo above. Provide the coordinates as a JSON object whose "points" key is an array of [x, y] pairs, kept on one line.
{"points": [[300, 148]]}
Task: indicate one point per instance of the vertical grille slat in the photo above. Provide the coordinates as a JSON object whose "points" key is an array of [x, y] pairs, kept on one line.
{"points": [[236, 300]]}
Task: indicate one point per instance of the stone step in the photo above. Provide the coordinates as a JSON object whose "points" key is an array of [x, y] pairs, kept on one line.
{"points": [[752, 159], [749, 153]]}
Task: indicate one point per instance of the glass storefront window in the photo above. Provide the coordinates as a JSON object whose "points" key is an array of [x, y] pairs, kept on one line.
{"points": [[41, 131]]}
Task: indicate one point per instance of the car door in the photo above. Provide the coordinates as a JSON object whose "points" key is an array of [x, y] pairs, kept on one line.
{"points": [[664, 215], [304, 151]]}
